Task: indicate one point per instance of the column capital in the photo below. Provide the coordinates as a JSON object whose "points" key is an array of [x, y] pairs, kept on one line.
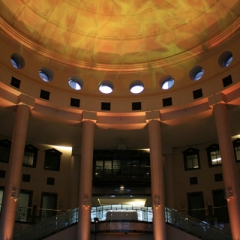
{"points": [[216, 98], [26, 100], [89, 116], [153, 115]]}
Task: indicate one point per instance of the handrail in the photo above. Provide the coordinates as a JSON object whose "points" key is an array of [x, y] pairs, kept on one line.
{"points": [[184, 222], [48, 226], [194, 226]]}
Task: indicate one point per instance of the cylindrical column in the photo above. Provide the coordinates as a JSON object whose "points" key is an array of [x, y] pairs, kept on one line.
{"points": [[169, 178], [229, 167], [75, 170], [157, 180], [13, 175], [85, 186]]}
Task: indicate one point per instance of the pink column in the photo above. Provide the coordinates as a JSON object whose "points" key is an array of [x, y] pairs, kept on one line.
{"points": [[85, 186], [229, 167], [13, 175], [157, 180]]}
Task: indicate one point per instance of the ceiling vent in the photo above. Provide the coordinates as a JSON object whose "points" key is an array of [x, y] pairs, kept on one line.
{"points": [[136, 106], [15, 82], [167, 102], [105, 106], [227, 81], [197, 93], [75, 102], [44, 94]]}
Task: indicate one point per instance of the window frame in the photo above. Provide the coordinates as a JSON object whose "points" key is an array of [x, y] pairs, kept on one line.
{"points": [[52, 152], [30, 149], [191, 152], [236, 143], [213, 148], [5, 143]]}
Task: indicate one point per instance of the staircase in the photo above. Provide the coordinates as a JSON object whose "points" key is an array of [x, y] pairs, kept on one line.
{"points": [[186, 223]]}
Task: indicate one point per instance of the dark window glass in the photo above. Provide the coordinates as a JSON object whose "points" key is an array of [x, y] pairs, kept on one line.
{"points": [[214, 157], [191, 159], [30, 156], [52, 160], [236, 146], [26, 178], [5, 146], [193, 180], [50, 181]]}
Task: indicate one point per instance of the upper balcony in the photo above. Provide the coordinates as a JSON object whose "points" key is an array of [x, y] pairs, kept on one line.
{"points": [[116, 167]]}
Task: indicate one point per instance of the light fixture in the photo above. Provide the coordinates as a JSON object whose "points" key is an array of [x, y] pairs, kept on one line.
{"points": [[105, 87], [136, 87], [228, 193], [166, 82], [86, 202], [122, 187], [156, 202], [15, 194]]}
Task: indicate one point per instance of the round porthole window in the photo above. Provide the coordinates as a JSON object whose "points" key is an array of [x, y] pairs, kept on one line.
{"points": [[75, 83], [105, 87], [136, 87], [46, 74], [225, 59], [196, 73], [167, 82], [17, 61]]}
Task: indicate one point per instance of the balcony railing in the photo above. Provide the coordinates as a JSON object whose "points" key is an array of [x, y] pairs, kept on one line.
{"points": [[128, 218]]}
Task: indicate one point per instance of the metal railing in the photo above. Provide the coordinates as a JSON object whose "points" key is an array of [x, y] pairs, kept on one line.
{"points": [[48, 226], [184, 222], [198, 228]]}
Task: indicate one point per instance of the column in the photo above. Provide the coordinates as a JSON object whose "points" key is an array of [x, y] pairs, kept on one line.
{"points": [[13, 175], [169, 178], [229, 167], [157, 176], [75, 170], [85, 186]]}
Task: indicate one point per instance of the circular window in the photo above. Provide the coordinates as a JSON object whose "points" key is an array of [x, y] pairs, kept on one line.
{"points": [[167, 82], [225, 59], [136, 87], [75, 83], [106, 87], [46, 74], [17, 61], [196, 73]]}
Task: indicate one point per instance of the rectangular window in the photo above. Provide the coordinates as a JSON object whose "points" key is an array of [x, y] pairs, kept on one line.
{"points": [[4, 154], [28, 158], [216, 157], [52, 160], [236, 146], [237, 152], [191, 159]]}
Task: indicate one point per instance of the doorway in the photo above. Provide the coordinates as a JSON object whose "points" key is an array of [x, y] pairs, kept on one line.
{"points": [[196, 205], [24, 204], [220, 206], [48, 205]]}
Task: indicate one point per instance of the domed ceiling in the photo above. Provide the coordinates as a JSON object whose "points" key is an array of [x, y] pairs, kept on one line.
{"points": [[113, 34]]}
